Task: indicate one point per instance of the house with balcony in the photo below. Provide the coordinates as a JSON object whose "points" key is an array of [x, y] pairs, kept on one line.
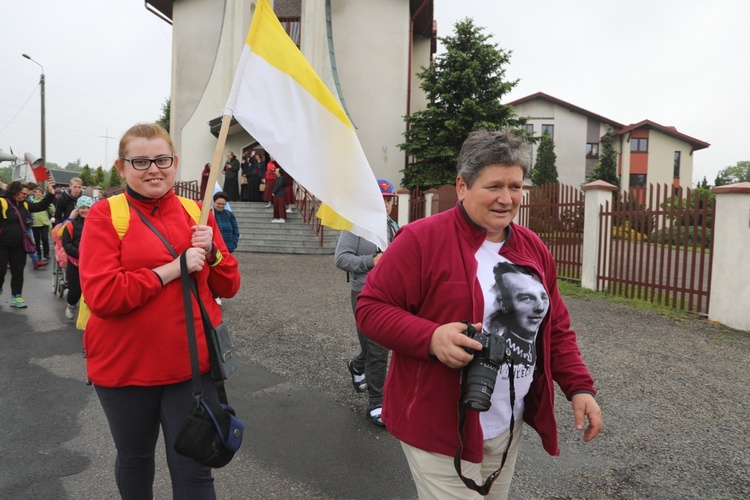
{"points": [[367, 53], [647, 152]]}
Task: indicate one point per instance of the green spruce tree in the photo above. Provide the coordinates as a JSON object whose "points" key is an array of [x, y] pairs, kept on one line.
{"points": [[464, 89], [606, 168], [86, 177], [114, 178], [545, 170], [99, 178]]}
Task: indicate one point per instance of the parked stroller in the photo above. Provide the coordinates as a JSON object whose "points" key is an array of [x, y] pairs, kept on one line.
{"points": [[60, 263]]}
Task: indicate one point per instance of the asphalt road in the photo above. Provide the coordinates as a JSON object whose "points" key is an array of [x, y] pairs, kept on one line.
{"points": [[674, 394]]}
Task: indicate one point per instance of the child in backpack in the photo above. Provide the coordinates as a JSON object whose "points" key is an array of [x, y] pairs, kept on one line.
{"points": [[71, 238]]}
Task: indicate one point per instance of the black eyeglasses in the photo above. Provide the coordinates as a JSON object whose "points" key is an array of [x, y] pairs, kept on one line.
{"points": [[161, 162]]}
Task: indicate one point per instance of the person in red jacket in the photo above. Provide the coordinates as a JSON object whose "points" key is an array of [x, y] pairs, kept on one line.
{"points": [[472, 265], [136, 339]]}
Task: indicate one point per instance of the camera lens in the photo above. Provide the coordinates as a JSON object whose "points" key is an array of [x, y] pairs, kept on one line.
{"points": [[480, 383]]}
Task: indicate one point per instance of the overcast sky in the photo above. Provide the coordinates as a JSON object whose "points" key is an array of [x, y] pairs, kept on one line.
{"points": [[683, 63], [106, 65], [676, 62]]}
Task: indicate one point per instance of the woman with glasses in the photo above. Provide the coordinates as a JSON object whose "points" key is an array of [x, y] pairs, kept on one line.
{"points": [[15, 219], [136, 339]]}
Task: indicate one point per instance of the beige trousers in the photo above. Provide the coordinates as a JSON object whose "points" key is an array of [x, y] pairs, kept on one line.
{"points": [[436, 477]]}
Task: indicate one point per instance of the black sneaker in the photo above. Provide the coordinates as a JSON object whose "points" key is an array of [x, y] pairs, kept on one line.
{"points": [[358, 379]]}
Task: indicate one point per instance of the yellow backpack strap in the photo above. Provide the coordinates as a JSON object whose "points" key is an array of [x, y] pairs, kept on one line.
{"points": [[191, 207], [4, 205], [120, 213]]}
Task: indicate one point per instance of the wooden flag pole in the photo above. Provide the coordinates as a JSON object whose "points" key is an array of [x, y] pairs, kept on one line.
{"points": [[216, 165]]}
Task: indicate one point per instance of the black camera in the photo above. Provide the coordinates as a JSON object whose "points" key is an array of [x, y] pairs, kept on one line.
{"points": [[481, 373]]}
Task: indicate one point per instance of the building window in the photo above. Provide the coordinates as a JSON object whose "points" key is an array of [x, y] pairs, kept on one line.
{"points": [[292, 26], [530, 128], [677, 155], [549, 130], [639, 145], [592, 150], [637, 180]]}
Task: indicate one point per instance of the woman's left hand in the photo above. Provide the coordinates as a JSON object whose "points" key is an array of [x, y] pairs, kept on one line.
{"points": [[586, 407], [203, 237]]}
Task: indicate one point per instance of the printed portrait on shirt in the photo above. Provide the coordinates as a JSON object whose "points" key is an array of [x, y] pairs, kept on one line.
{"points": [[521, 303]]}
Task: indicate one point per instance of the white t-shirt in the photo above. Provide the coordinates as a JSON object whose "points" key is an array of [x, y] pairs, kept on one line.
{"points": [[515, 303]]}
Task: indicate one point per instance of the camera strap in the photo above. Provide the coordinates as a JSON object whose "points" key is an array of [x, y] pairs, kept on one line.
{"points": [[485, 488]]}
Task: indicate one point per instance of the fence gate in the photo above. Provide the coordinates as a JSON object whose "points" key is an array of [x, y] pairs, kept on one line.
{"points": [[555, 212], [416, 205], [656, 246]]}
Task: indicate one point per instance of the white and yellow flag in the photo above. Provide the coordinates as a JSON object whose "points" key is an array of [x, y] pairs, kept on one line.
{"points": [[280, 100]]}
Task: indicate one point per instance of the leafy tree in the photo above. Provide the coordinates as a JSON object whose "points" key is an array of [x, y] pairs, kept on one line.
{"points": [[464, 88], [734, 174], [6, 173], [545, 170], [704, 184], [74, 166], [164, 118], [606, 168], [99, 176], [114, 178], [86, 177], [52, 165]]}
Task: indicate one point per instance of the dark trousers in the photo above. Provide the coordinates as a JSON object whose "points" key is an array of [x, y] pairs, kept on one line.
{"points": [[16, 257], [41, 238], [279, 207], [372, 360], [74, 284], [135, 414]]}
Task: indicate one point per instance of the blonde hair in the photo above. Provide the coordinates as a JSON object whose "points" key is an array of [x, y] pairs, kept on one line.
{"points": [[144, 131]]}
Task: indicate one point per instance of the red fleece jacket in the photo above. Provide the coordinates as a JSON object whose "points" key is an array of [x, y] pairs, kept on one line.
{"points": [[136, 334], [427, 278]]}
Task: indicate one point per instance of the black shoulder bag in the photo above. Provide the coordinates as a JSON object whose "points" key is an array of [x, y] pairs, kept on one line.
{"points": [[211, 433]]}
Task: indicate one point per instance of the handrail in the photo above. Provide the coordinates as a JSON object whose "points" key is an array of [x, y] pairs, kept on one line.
{"points": [[308, 206]]}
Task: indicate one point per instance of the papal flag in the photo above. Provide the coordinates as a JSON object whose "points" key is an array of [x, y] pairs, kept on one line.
{"points": [[280, 100]]}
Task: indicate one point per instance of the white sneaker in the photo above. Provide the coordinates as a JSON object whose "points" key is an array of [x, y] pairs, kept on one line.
{"points": [[288, 210], [70, 311], [275, 220], [268, 206], [282, 220], [218, 300]]}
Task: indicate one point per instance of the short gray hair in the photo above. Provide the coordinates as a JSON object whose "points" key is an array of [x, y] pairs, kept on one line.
{"points": [[498, 147]]}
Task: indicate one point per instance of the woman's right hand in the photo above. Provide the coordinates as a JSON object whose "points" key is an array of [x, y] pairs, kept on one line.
{"points": [[448, 342]]}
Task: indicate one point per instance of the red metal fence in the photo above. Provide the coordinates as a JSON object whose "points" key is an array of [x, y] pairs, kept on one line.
{"points": [[555, 213], [656, 246]]}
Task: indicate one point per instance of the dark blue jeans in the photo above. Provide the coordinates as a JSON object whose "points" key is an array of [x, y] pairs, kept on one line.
{"points": [[135, 414]]}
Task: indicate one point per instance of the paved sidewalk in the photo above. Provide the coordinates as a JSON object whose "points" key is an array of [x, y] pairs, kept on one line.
{"points": [[674, 394]]}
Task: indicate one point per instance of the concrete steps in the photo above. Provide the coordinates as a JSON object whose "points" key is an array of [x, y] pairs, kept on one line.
{"points": [[259, 235]]}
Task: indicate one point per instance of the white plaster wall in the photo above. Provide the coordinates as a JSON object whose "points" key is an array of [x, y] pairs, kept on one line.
{"points": [[371, 44], [371, 47], [730, 280], [661, 148], [195, 20], [570, 137]]}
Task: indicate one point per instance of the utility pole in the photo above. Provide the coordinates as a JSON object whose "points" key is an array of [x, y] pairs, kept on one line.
{"points": [[106, 138]]}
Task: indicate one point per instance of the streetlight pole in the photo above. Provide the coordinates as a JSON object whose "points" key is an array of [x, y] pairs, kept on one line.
{"points": [[41, 86]]}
